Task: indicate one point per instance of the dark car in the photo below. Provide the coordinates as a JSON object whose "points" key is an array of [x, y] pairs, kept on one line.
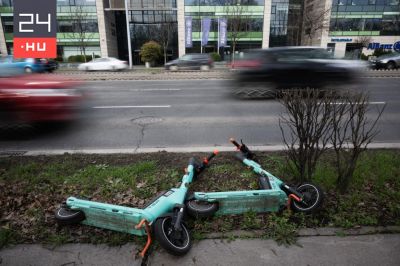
{"points": [[191, 61], [387, 61], [49, 65], [264, 72]]}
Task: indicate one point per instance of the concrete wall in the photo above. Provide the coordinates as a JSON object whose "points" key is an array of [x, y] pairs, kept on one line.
{"points": [[3, 47], [181, 26]]}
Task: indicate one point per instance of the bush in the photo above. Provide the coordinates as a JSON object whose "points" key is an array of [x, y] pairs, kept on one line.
{"points": [[364, 57], [216, 57], [81, 58], [150, 52], [379, 52]]}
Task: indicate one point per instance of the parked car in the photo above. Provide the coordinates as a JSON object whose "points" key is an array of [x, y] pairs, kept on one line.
{"points": [[191, 61], [387, 61], [49, 64], [104, 63], [28, 65], [264, 72], [27, 99]]}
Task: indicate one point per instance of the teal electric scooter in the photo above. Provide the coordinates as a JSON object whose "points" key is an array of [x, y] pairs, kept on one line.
{"points": [[273, 194], [164, 214]]}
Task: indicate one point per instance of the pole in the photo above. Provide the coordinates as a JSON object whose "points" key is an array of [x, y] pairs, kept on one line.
{"points": [[128, 32], [201, 35], [218, 37]]}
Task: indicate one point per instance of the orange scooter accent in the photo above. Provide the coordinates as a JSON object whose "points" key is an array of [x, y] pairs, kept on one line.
{"points": [[292, 196], [147, 228]]}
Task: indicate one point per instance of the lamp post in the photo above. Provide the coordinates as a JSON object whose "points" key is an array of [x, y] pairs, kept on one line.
{"points": [[128, 32]]}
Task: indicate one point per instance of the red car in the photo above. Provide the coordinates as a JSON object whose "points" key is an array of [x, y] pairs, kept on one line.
{"points": [[38, 98]]}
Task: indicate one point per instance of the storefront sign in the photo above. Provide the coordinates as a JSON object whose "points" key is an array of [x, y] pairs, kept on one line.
{"points": [[188, 32], [377, 45], [341, 39], [35, 29]]}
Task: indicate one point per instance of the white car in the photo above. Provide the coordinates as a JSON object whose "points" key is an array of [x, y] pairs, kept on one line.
{"points": [[104, 63]]}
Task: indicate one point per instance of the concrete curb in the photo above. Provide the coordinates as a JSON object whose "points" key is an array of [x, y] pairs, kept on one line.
{"points": [[308, 232], [133, 150]]}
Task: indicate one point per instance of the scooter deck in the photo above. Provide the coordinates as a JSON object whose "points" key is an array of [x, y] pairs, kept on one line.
{"points": [[109, 216]]}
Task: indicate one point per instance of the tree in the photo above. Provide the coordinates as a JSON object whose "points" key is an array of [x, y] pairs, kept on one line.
{"points": [[363, 41], [164, 33], [238, 22], [82, 30], [150, 52], [316, 20]]}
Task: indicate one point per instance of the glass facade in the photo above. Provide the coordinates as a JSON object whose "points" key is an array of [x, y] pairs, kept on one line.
{"points": [[286, 21], [72, 15], [248, 33], [365, 17]]}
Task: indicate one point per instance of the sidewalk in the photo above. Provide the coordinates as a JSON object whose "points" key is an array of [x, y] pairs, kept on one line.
{"points": [[381, 249]]}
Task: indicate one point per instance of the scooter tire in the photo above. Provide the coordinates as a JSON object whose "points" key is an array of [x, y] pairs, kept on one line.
{"points": [[201, 209], [313, 195], [67, 216], [163, 229]]}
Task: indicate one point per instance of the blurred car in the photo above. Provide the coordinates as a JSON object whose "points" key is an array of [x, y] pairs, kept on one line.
{"points": [[191, 61], [387, 61], [264, 72], [27, 99], [28, 65], [49, 65], [104, 63]]}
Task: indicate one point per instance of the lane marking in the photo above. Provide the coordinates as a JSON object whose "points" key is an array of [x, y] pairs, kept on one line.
{"points": [[155, 89], [341, 103], [131, 106]]}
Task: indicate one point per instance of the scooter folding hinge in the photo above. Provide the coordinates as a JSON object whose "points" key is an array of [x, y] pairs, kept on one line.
{"points": [[148, 232]]}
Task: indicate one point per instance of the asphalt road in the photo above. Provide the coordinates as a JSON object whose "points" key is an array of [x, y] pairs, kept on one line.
{"points": [[184, 113]]}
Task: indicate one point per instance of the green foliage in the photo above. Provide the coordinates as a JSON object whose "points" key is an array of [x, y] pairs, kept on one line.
{"points": [[7, 237], [283, 231], [380, 51], [215, 57], [150, 52], [81, 58], [364, 57]]}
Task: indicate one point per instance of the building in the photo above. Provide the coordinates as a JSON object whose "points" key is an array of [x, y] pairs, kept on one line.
{"points": [[99, 26], [352, 27]]}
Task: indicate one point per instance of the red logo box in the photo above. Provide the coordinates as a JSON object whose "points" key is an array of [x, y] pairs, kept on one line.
{"points": [[35, 47]]}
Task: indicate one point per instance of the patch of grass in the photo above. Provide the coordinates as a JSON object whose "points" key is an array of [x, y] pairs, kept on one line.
{"points": [[281, 229], [8, 237]]}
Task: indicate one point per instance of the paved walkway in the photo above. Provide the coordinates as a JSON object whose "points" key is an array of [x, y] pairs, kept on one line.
{"points": [[364, 250]]}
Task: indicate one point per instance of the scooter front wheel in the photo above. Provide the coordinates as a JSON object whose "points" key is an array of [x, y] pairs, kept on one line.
{"points": [[200, 208], [67, 216], [177, 243], [312, 198]]}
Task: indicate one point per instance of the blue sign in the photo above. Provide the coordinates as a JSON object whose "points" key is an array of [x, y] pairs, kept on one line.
{"points": [[222, 32], [188, 32], [205, 25], [341, 39], [396, 46]]}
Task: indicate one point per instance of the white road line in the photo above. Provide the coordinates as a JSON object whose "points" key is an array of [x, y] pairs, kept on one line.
{"points": [[155, 89], [131, 106], [339, 103]]}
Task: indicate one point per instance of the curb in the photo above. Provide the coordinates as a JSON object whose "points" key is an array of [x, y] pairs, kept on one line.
{"points": [[309, 232], [134, 150]]}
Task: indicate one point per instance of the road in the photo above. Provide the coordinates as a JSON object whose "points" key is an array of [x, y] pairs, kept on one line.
{"points": [[185, 113]]}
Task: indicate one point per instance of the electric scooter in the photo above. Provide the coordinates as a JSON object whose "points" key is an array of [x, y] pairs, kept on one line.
{"points": [[273, 195], [164, 214]]}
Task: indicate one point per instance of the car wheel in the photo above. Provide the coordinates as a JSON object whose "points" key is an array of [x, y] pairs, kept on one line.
{"points": [[391, 66], [28, 70], [204, 67], [174, 68]]}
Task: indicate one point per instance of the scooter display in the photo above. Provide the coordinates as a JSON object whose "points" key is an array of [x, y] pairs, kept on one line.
{"points": [[272, 196], [163, 215]]}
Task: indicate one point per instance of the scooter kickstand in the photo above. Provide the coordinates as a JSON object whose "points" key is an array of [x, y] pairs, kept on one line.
{"points": [[147, 229]]}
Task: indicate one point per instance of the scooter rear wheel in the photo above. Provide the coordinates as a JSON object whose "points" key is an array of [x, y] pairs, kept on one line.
{"points": [[312, 198], [200, 209], [175, 243], [67, 216]]}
